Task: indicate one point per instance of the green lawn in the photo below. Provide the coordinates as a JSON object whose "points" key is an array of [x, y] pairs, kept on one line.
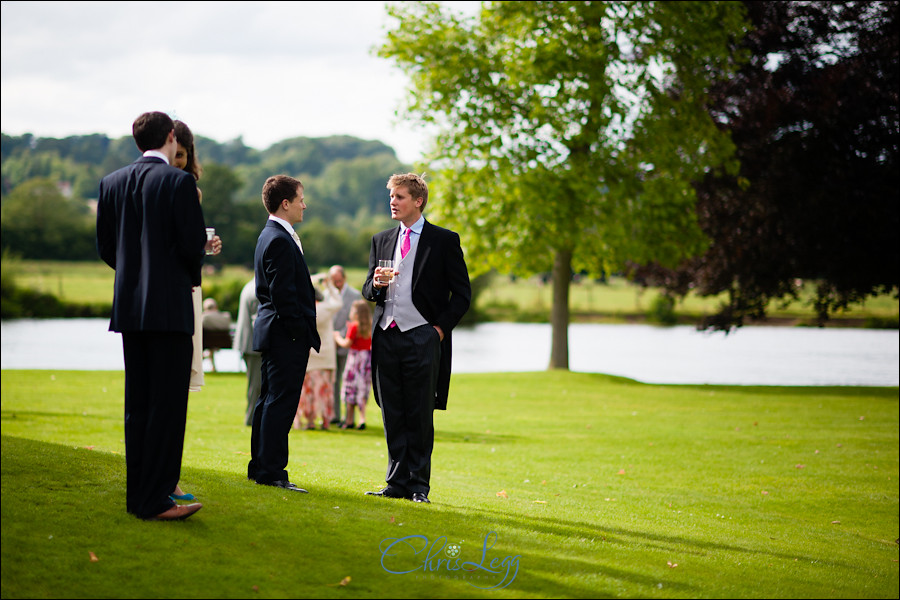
{"points": [[549, 484]]}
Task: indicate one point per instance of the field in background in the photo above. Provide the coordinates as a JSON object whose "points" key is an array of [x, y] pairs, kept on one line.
{"points": [[505, 298]]}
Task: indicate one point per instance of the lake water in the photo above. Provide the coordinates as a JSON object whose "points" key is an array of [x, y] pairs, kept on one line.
{"points": [[678, 355]]}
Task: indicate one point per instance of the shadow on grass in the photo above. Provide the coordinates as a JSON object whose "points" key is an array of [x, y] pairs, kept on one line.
{"points": [[63, 506], [667, 544], [472, 437], [35, 415]]}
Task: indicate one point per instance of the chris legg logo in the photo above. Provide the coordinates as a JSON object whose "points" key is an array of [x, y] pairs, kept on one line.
{"points": [[438, 558]]}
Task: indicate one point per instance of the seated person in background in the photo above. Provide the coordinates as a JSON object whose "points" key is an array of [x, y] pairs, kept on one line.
{"points": [[215, 323]]}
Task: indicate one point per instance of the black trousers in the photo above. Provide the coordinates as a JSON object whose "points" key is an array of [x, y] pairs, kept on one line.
{"points": [[282, 372], [406, 376], [157, 375]]}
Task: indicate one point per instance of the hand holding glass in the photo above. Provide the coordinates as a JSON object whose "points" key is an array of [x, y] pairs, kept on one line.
{"points": [[210, 234], [385, 272]]}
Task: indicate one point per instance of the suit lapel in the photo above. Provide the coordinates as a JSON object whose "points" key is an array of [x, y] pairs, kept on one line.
{"points": [[389, 244], [423, 250]]}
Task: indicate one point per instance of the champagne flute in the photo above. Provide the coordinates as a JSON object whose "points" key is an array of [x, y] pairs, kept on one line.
{"points": [[387, 271], [386, 275]]}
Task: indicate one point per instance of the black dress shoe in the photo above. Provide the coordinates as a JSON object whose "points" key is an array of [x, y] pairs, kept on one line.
{"points": [[283, 484], [390, 492], [420, 497]]}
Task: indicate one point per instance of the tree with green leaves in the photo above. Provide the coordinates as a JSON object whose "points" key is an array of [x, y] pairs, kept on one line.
{"points": [[569, 132], [813, 115], [37, 221]]}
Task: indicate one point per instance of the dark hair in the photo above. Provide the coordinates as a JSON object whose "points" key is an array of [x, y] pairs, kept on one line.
{"points": [[278, 188], [184, 137], [414, 184], [151, 129]]}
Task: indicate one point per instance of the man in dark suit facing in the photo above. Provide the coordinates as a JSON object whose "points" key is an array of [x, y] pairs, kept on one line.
{"points": [[415, 313], [150, 229], [284, 331]]}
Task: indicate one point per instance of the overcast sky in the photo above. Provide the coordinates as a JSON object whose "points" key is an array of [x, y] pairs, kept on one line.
{"points": [[264, 71]]}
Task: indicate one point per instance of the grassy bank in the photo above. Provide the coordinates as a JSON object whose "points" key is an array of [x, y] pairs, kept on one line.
{"points": [[503, 299], [575, 485]]}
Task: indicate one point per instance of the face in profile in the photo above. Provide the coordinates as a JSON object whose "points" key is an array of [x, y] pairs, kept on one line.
{"points": [[296, 207], [404, 207]]}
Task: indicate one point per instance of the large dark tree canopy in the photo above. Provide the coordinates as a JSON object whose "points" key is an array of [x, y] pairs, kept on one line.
{"points": [[814, 117]]}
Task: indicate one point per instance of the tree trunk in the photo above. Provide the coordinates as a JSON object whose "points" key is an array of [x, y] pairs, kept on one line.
{"points": [[559, 312]]}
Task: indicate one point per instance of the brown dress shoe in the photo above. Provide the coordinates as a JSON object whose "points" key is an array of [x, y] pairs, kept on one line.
{"points": [[179, 512]]}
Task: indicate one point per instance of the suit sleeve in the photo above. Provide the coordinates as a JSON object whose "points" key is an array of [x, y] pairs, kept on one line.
{"points": [[458, 285], [190, 228], [106, 229], [369, 291]]}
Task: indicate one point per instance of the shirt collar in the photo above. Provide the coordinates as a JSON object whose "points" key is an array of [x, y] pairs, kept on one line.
{"points": [[416, 227], [157, 154], [283, 223]]}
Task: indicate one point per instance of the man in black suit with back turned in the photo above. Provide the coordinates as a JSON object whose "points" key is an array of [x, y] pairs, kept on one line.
{"points": [[150, 229], [411, 340], [284, 331]]}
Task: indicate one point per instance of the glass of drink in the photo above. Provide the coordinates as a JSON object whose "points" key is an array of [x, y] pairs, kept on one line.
{"points": [[385, 274], [210, 234]]}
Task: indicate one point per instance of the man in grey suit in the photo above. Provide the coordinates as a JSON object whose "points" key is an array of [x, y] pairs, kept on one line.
{"points": [[243, 342], [348, 296], [150, 229]]}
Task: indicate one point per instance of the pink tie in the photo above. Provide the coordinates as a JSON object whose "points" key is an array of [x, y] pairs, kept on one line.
{"points": [[404, 247]]}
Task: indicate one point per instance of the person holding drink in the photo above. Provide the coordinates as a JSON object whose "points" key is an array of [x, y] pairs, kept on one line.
{"points": [[420, 285], [186, 160]]}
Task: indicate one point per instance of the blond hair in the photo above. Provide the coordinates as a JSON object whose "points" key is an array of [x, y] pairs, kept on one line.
{"points": [[415, 185]]}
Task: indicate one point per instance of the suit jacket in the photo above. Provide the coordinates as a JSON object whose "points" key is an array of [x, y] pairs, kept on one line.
{"points": [[440, 290], [287, 300], [150, 229]]}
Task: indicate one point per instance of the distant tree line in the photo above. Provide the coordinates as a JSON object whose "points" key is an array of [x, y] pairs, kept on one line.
{"points": [[49, 185]]}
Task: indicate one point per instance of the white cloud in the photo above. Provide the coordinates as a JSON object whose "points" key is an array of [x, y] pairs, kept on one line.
{"points": [[263, 71]]}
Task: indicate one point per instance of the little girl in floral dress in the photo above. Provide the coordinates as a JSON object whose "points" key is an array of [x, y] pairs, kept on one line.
{"points": [[358, 370]]}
